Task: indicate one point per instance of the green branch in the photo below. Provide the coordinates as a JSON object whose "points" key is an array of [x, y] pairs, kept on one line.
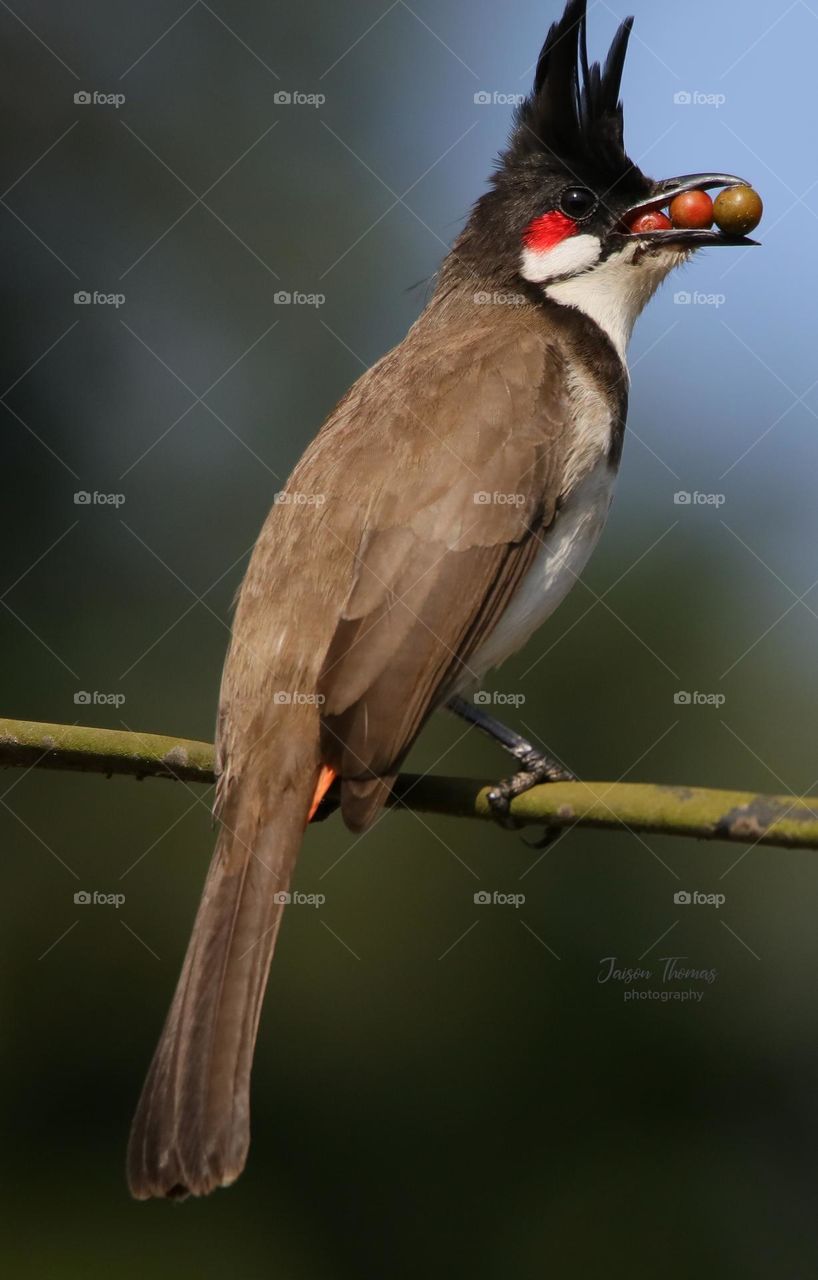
{"points": [[741, 817]]}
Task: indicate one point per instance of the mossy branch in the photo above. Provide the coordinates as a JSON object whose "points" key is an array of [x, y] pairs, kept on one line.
{"points": [[740, 817]]}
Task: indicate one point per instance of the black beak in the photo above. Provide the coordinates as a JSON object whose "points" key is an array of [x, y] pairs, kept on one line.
{"points": [[664, 192]]}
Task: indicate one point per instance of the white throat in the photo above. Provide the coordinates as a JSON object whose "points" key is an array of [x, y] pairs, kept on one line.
{"points": [[615, 293]]}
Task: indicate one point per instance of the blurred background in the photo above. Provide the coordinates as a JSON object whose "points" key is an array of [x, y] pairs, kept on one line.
{"points": [[441, 1087]]}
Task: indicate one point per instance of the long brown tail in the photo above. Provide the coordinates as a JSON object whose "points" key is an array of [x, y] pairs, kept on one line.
{"points": [[191, 1130]]}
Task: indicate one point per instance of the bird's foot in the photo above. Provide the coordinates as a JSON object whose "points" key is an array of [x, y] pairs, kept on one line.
{"points": [[537, 769]]}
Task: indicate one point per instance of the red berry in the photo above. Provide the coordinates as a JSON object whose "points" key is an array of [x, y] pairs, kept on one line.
{"points": [[692, 211], [654, 221]]}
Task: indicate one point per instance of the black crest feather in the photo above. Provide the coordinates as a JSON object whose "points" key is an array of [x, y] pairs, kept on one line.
{"points": [[574, 114]]}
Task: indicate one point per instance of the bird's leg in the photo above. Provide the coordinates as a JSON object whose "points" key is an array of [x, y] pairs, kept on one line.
{"points": [[536, 767]]}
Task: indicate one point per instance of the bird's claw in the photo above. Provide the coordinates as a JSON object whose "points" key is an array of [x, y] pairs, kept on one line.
{"points": [[536, 770]]}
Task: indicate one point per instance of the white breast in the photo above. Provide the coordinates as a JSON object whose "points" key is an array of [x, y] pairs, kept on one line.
{"points": [[615, 293], [565, 550]]}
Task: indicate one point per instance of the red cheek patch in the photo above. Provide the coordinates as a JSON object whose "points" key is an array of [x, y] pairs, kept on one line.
{"points": [[549, 230]]}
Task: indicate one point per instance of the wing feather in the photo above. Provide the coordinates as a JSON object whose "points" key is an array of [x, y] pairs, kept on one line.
{"points": [[454, 527]]}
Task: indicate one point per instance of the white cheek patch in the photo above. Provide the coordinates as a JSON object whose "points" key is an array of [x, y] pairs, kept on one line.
{"points": [[568, 258]]}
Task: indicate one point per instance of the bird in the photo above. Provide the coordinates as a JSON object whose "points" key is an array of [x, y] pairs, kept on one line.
{"points": [[443, 511]]}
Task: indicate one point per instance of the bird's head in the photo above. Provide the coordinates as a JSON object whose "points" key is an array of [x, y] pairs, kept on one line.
{"points": [[565, 190]]}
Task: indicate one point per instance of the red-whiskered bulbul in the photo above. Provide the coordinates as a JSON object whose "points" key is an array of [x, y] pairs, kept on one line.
{"points": [[385, 584]]}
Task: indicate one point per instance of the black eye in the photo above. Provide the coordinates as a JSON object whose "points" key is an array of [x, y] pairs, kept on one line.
{"points": [[578, 202]]}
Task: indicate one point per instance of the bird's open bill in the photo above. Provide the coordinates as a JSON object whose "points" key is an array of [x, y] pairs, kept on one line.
{"points": [[667, 191]]}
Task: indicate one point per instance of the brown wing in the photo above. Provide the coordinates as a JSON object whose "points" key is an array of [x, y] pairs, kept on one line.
{"points": [[476, 447]]}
